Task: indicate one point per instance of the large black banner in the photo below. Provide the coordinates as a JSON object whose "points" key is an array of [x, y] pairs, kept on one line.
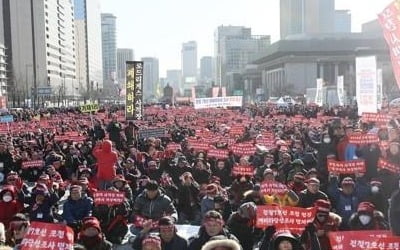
{"points": [[134, 91]]}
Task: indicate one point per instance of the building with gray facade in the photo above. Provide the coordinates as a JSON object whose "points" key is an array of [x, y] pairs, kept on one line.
{"points": [[174, 79], [151, 77], [39, 38], [123, 55], [206, 71], [89, 61], [189, 64], [235, 46], [290, 67], [342, 21], [306, 17], [3, 71], [109, 53]]}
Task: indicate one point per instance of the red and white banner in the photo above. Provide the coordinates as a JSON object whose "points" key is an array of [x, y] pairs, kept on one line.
{"points": [[59, 138], [391, 30], [375, 117], [48, 236], [243, 149], [173, 146], [363, 139], [366, 84], [384, 164], [110, 198], [243, 170], [364, 240], [273, 188], [32, 164], [294, 219], [218, 153], [199, 146], [139, 221], [346, 167]]}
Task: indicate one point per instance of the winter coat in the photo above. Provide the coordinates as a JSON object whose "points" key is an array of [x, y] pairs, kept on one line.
{"points": [[224, 175], [330, 225], [9, 209], [114, 129], [213, 244], [202, 238], [324, 149], [188, 197], [76, 210], [201, 176], [43, 212], [206, 204], [394, 213], [156, 208], [240, 227], [378, 222], [346, 205], [106, 159], [371, 157]]}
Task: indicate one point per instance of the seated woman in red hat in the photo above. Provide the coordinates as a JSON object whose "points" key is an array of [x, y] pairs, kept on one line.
{"points": [[91, 235], [367, 218]]}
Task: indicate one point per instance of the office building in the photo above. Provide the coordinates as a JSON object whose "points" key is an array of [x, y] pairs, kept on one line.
{"points": [[189, 64], [123, 55], [206, 71], [342, 21], [235, 47], [174, 79], [39, 37], [3, 72], [89, 65], [306, 17], [151, 77], [109, 53]]}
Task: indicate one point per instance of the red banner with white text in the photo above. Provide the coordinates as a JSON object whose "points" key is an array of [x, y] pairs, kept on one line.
{"points": [[364, 240], [346, 167]]}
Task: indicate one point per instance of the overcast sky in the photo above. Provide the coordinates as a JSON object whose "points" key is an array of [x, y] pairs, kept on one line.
{"points": [[159, 27]]}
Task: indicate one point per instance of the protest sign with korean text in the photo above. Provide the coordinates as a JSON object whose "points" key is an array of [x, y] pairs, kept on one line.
{"points": [[242, 170], [48, 236], [294, 219], [346, 167], [391, 167], [273, 187], [108, 198], [32, 164], [361, 240], [363, 139]]}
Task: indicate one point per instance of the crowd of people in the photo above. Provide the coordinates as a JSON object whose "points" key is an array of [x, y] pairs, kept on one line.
{"points": [[208, 169]]}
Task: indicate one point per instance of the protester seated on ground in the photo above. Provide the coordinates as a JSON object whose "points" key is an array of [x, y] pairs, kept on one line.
{"points": [[168, 235], [9, 205], [77, 207], [40, 203], [347, 198], [308, 197], [242, 224], [121, 185], [221, 243], [19, 224], [367, 218], [285, 240], [325, 221], [213, 225], [91, 235]]}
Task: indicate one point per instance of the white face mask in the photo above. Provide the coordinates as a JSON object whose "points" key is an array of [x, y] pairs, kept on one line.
{"points": [[327, 140], [364, 219], [374, 189], [7, 198]]}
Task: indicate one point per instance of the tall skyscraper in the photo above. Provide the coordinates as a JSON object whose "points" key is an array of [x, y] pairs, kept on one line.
{"points": [[89, 66], [123, 55], [306, 17], [39, 38], [206, 71], [189, 64], [235, 47], [109, 50], [342, 21], [174, 79], [151, 77]]}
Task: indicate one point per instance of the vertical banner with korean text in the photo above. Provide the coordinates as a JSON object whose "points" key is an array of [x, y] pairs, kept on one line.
{"points": [[366, 84], [134, 91], [340, 90], [391, 30], [379, 82], [319, 93]]}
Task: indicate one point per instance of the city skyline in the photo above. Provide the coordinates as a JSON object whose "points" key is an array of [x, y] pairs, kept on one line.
{"points": [[163, 39]]}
